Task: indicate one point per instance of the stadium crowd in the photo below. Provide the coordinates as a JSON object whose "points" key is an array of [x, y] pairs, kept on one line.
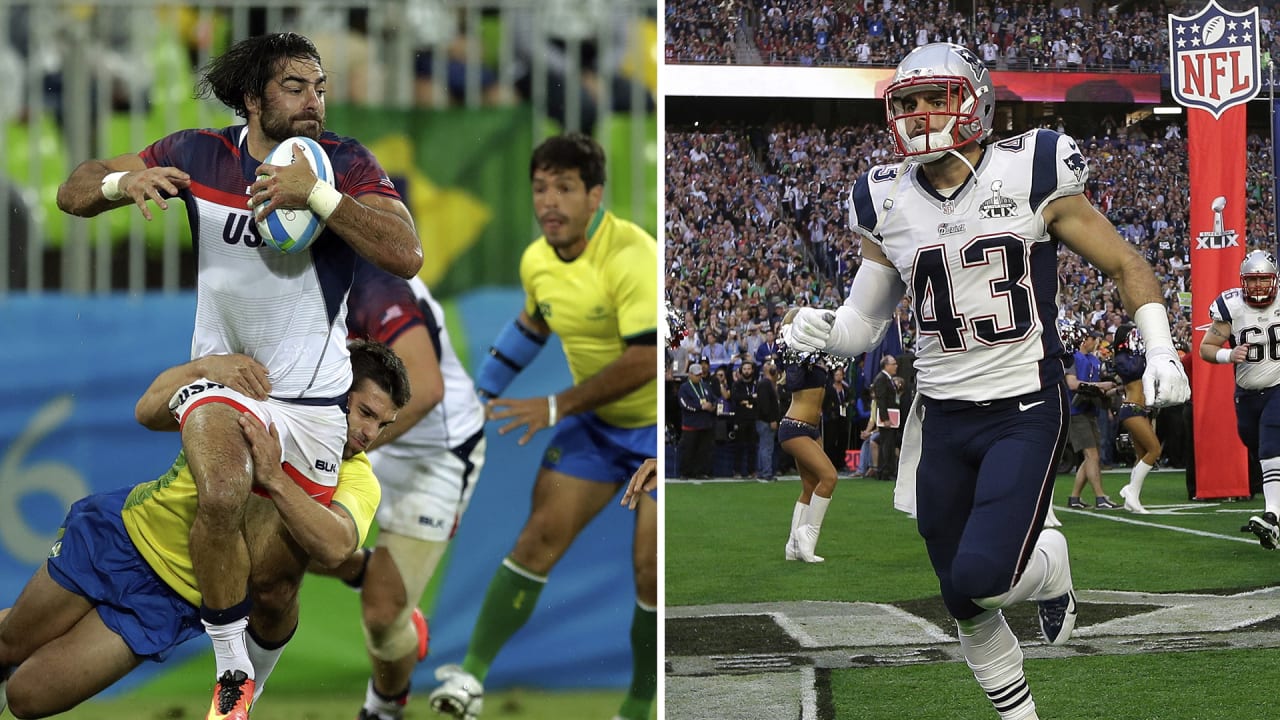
{"points": [[756, 223], [1008, 36]]}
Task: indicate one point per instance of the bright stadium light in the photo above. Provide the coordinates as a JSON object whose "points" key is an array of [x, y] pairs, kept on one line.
{"points": [[1162, 110]]}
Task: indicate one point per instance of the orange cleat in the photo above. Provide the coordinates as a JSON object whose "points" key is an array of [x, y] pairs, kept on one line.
{"points": [[231, 697]]}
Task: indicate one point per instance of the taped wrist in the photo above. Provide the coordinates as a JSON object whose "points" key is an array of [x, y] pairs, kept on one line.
{"points": [[323, 199], [514, 349], [1153, 322]]}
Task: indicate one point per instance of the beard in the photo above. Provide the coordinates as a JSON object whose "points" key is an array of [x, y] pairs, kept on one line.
{"points": [[276, 126]]}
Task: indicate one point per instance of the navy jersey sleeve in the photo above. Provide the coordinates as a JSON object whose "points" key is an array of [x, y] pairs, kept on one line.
{"points": [[357, 170], [171, 150], [382, 306]]}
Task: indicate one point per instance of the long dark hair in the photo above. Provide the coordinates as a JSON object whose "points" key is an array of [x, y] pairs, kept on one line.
{"points": [[247, 67]]}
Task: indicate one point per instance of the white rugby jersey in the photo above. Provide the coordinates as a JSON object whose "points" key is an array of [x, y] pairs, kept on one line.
{"points": [[288, 312], [382, 307], [979, 266], [1251, 326]]}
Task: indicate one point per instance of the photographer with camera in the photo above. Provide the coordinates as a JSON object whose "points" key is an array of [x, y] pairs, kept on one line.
{"points": [[1089, 393]]}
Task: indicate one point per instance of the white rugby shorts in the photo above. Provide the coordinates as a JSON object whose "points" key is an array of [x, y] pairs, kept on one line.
{"points": [[312, 437], [425, 493]]}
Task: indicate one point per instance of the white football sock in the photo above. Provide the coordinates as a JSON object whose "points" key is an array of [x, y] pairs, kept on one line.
{"points": [[1047, 574], [1271, 484], [384, 707], [992, 653], [229, 646], [264, 660]]}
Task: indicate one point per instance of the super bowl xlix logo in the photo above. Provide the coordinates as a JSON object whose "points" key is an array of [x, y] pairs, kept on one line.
{"points": [[1220, 236], [1214, 60]]}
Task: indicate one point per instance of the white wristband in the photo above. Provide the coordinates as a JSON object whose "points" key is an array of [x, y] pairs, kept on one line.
{"points": [[323, 199], [111, 186], [1223, 356], [1153, 322], [552, 415]]}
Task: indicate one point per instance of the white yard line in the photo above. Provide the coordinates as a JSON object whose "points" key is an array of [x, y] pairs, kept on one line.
{"points": [[1113, 517]]}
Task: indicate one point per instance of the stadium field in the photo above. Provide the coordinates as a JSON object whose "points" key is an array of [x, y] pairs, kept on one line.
{"points": [[322, 676], [1179, 613]]}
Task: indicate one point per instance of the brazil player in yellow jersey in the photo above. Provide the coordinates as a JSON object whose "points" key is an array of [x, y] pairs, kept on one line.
{"points": [[592, 279], [118, 586]]}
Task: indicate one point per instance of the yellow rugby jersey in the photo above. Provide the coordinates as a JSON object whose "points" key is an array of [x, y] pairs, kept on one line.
{"points": [[158, 516], [596, 301]]}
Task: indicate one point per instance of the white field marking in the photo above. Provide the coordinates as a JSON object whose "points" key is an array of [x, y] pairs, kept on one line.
{"points": [[1109, 515], [808, 693]]}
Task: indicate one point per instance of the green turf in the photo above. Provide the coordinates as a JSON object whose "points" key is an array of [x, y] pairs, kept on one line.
{"points": [[874, 553], [724, 544], [322, 676], [325, 704], [1163, 686]]}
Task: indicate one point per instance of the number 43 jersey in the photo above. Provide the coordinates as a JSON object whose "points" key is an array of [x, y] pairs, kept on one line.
{"points": [[978, 263], [1256, 327]]}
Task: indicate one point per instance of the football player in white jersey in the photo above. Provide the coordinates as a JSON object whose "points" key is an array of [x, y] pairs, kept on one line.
{"points": [[1246, 318], [286, 311], [970, 230]]}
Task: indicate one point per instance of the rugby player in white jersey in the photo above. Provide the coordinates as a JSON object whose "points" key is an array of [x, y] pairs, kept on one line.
{"points": [[1243, 334], [970, 230], [428, 463], [287, 312]]}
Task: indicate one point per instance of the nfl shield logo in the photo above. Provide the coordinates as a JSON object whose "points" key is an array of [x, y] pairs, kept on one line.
{"points": [[1214, 58]]}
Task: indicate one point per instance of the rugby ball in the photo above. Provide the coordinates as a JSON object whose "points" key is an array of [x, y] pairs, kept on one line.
{"points": [[293, 230]]}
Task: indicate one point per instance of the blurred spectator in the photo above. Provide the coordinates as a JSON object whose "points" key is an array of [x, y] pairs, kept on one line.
{"points": [[1129, 37], [588, 37], [769, 412], [835, 419], [441, 51], [697, 425]]}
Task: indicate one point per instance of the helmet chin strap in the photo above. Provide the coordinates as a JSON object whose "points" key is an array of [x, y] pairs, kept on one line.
{"points": [[903, 169]]}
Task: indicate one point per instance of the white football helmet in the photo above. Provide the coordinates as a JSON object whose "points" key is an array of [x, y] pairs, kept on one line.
{"points": [[970, 100], [1258, 275]]}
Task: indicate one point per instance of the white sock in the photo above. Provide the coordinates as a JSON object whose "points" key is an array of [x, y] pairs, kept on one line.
{"points": [[1136, 476], [817, 510], [1271, 484], [992, 653], [1047, 574], [229, 647], [797, 516], [264, 660], [384, 707]]}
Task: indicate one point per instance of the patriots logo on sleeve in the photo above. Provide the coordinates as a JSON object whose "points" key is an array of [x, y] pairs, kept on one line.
{"points": [[1075, 163]]}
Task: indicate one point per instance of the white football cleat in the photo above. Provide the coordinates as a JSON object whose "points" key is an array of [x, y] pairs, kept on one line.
{"points": [[806, 542], [460, 694], [1057, 607], [1132, 504]]}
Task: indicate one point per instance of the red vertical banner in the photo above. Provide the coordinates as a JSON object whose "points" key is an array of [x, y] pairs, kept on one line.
{"points": [[1215, 66], [1217, 166]]}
